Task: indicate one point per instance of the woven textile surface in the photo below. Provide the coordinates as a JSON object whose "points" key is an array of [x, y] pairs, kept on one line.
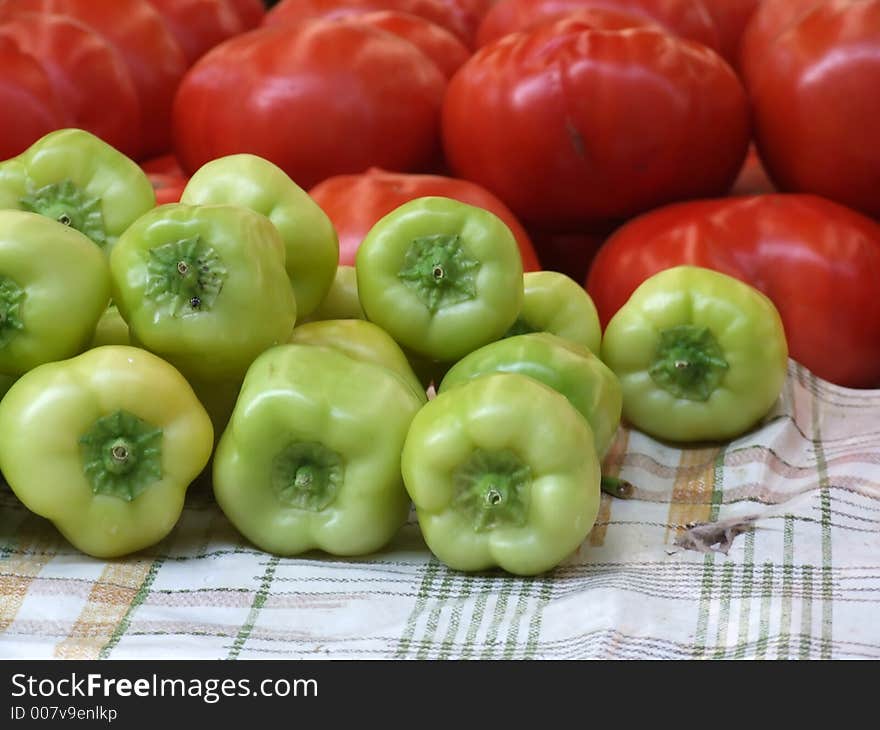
{"points": [[800, 578]]}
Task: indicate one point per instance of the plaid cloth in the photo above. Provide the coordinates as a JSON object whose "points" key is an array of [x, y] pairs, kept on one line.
{"points": [[802, 580]]}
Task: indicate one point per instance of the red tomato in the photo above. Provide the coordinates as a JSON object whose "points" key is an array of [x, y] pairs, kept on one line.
{"points": [[199, 25], [87, 74], [153, 57], [445, 14], [319, 98], [250, 12], [816, 105], [752, 178], [355, 202], [168, 188], [162, 165], [570, 253], [571, 126], [28, 106], [767, 23], [685, 18], [434, 41], [818, 261], [731, 18]]}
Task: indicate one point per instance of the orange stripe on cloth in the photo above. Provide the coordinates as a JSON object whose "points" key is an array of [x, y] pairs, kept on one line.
{"points": [[610, 468], [107, 605], [19, 571], [692, 490]]}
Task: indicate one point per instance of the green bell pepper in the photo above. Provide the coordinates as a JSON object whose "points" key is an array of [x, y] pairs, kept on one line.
{"points": [[104, 445], [111, 329], [341, 301], [569, 369], [440, 276], [556, 303], [360, 340], [54, 286], [77, 179], [311, 456], [204, 287], [309, 236], [502, 471], [700, 355]]}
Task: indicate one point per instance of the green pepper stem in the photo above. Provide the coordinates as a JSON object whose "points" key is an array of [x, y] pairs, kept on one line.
{"points": [[617, 487]]}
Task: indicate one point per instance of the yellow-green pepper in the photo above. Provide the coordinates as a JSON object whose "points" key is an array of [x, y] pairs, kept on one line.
{"points": [[502, 472], [204, 287], [556, 303], [311, 456], [361, 340], [308, 234], [104, 445], [440, 276], [700, 355], [77, 179], [568, 368], [54, 286]]}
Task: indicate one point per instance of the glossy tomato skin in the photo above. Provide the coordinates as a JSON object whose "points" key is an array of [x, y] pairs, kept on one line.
{"points": [[445, 14], [568, 253], [685, 18], [437, 43], [154, 59], [813, 98], [817, 261], [356, 202], [88, 75], [319, 98], [769, 20], [731, 18], [199, 25], [752, 178], [556, 122], [250, 12], [29, 108]]}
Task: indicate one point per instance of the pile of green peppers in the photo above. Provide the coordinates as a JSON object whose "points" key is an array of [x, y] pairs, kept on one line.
{"points": [[142, 346]]}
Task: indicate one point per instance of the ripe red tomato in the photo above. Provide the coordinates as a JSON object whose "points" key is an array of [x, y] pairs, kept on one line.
{"points": [[433, 40], [570, 253], [28, 106], [753, 178], [355, 202], [816, 105], [731, 18], [685, 18], [168, 188], [320, 98], [819, 263], [769, 20], [162, 165], [250, 12], [445, 14], [199, 25], [88, 75], [570, 125], [153, 57]]}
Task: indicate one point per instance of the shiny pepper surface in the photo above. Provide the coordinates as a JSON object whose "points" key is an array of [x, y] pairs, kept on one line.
{"points": [[104, 445]]}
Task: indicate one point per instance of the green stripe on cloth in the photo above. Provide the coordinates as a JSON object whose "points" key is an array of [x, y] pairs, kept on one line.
{"points": [[139, 597], [825, 497], [745, 606], [429, 571], [259, 601], [507, 588], [544, 594], [787, 579], [805, 650]]}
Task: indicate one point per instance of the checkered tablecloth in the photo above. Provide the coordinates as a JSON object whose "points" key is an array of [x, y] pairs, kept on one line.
{"points": [[801, 579]]}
